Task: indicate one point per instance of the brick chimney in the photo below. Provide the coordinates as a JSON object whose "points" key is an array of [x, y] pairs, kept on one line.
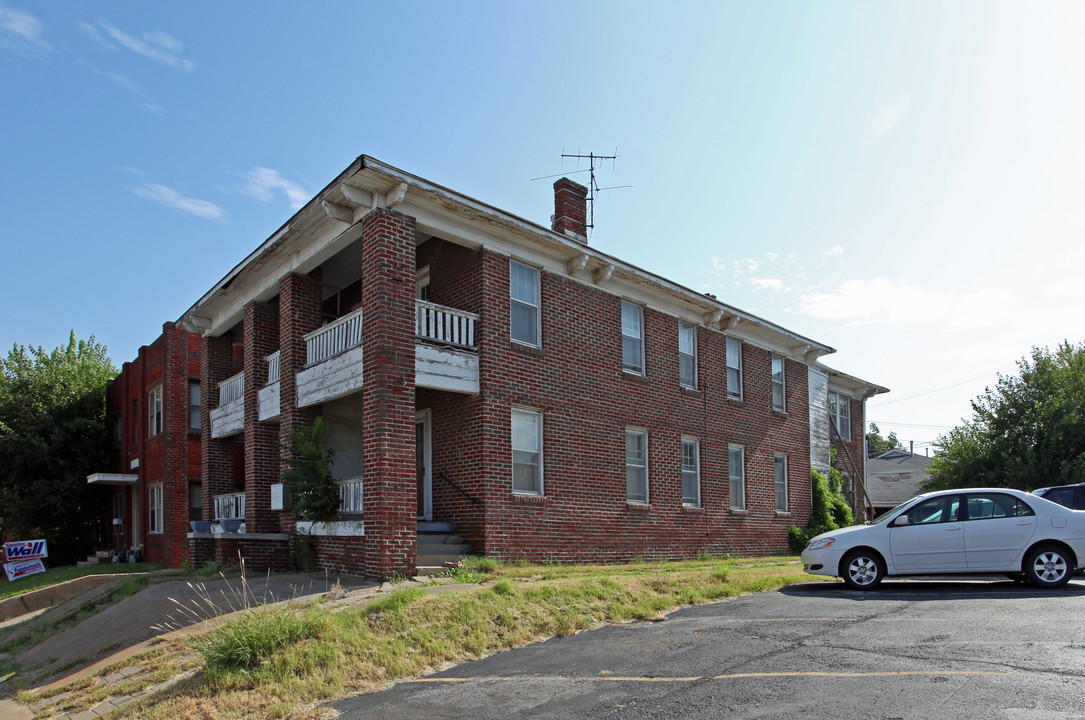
{"points": [[571, 210]]}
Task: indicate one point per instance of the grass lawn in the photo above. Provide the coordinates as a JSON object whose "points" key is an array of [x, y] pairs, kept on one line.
{"points": [[55, 576], [286, 661]]}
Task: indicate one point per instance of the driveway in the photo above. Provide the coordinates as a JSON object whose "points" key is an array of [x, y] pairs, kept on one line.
{"points": [[915, 649]]}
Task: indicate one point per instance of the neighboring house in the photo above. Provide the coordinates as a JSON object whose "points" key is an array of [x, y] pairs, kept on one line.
{"points": [[895, 476], [154, 404], [545, 400]]}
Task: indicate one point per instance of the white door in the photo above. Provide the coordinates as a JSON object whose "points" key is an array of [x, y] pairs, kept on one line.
{"points": [[422, 434], [933, 539], [998, 529]]}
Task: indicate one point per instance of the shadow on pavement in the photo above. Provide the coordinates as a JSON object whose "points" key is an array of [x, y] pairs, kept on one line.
{"points": [[921, 589]]}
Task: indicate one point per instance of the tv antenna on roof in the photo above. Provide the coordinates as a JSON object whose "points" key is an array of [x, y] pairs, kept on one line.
{"points": [[593, 186]]}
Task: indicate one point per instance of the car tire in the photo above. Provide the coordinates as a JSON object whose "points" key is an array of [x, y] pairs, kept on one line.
{"points": [[1048, 566], [862, 569], [1017, 577]]}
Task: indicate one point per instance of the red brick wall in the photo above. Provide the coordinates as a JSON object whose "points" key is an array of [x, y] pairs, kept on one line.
{"points": [[262, 467], [587, 401], [170, 458]]}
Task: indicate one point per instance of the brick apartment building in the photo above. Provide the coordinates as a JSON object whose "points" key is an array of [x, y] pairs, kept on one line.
{"points": [[479, 372]]}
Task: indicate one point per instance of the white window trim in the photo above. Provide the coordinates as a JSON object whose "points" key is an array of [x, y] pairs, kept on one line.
{"points": [[741, 478], [537, 306], [696, 502], [640, 338], [776, 462], [734, 363], [682, 325], [539, 418], [843, 429], [155, 411], [156, 503], [644, 434], [782, 407]]}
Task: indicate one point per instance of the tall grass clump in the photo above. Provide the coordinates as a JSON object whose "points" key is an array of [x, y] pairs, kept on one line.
{"points": [[255, 636]]}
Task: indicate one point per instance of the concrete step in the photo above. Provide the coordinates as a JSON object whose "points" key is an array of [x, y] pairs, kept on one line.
{"points": [[434, 526], [429, 570], [437, 559]]}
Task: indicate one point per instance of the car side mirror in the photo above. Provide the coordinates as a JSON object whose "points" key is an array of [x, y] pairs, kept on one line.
{"points": [[901, 520]]}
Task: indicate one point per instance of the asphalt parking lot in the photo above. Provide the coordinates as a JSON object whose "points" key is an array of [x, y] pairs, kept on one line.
{"points": [[913, 649]]}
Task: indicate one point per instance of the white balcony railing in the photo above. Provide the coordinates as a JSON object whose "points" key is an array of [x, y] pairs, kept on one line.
{"points": [[444, 325], [272, 368], [334, 338], [350, 496], [230, 507], [232, 389]]}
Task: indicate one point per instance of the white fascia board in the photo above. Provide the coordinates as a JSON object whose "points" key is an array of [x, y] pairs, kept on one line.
{"points": [[851, 385]]}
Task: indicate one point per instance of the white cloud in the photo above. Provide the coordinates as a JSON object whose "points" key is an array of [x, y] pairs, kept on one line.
{"points": [[888, 117], [264, 182], [129, 86], [895, 302], [21, 33], [173, 199], [836, 251], [156, 45]]}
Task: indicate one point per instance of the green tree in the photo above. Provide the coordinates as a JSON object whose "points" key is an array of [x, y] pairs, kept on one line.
{"points": [[876, 444], [53, 433], [1026, 432], [308, 473]]}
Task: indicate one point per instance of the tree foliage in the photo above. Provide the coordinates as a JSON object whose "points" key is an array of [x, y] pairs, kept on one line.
{"points": [[1026, 432], [876, 444], [53, 433], [308, 473]]}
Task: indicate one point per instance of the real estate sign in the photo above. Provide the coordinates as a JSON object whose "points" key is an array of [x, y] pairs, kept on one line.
{"points": [[25, 550]]}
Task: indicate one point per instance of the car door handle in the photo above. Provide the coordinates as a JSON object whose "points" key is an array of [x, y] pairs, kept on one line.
{"points": [[953, 529]]}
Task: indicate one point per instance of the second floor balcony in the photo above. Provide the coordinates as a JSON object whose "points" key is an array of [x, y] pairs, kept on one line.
{"points": [[229, 417]]}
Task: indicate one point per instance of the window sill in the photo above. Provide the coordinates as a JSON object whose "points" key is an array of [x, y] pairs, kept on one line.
{"points": [[778, 411], [687, 390], [634, 375], [521, 347], [638, 506], [530, 499], [783, 513], [693, 509], [736, 401], [741, 512]]}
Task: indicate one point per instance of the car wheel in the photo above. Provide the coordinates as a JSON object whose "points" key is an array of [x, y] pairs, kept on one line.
{"points": [[862, 569], [1048, 567]]}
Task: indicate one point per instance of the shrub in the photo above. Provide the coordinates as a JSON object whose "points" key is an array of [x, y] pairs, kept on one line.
{"points": [[830, 510]]}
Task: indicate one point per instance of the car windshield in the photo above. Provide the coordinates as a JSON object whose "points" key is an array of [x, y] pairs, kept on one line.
{"points": [[884, 517]]}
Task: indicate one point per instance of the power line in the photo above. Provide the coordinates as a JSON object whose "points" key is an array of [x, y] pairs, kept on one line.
{"points": [[931, 391]]}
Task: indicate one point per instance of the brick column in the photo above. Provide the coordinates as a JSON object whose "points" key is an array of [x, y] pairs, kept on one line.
{"points": [[388, 405], [261, 338], [299, 314], [217, 460]]}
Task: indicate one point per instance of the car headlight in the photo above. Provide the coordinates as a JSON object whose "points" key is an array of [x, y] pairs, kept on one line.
{"points": [[820, 543]]}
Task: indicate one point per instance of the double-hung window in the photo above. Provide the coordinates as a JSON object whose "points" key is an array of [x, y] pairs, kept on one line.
{"points": [[632, 337], [687, 355], [156, 523], [840, 412], [691, 473], [779, 463], [524, 303], [193, 404], [636, 466], [154, 412], [736, 464], [734, 369], [527, 452], [778, 402]]}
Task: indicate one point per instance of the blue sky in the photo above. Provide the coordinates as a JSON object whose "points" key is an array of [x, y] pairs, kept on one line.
{"points": [[902, 181]]}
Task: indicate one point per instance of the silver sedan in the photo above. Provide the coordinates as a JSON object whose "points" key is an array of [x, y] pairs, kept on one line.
{"points": [[980, 530]]}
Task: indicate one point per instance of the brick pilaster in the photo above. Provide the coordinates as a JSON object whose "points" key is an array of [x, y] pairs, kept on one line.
{"points": [[388, 403], [261, 338]]}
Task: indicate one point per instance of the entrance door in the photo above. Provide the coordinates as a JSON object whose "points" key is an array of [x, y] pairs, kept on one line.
{"points": [[422, 465]]}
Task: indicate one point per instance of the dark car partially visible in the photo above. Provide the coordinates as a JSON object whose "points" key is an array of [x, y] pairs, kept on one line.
{"points": [[1071, 496]]}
